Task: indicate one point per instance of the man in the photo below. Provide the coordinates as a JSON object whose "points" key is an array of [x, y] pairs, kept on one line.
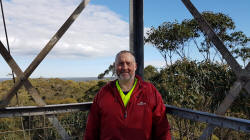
{"points": [[127, 108]]}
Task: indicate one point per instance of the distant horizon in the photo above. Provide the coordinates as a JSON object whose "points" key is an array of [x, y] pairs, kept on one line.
{"points": [[65, 78]]}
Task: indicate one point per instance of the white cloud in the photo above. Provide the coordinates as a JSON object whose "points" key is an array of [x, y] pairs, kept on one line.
{"points": [[97, 32], [155, 63]]}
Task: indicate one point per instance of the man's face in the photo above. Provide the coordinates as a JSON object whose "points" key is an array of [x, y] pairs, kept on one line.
{"points": [[125, 66]]}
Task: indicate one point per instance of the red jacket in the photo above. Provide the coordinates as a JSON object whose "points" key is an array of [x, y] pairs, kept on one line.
{"points": [[144, 118]]}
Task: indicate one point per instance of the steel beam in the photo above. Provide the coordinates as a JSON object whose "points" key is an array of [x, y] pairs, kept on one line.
{"points": [[136, 29]]}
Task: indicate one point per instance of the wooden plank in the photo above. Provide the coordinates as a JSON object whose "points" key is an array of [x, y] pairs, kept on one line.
{"points": [[213, 37], [43, 53]]}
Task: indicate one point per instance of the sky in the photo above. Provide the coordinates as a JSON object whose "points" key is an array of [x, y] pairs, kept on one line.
{"points": [[101, 30]]}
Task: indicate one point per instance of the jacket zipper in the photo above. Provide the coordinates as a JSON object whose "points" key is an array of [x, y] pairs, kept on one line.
{"points": [[120, 101], [125, 114]]}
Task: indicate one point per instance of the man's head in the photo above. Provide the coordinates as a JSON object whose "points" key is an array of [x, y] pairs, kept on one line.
{"points": [[125, 65]]}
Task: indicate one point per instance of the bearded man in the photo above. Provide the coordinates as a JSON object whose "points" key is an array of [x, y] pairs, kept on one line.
{"points": [[127, 108]]}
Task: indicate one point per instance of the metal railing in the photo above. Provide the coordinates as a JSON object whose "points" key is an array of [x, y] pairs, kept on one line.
{"points": [[217, 120], [31, 122]]}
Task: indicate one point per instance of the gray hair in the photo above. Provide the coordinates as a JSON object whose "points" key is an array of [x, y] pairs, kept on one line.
{"points": [[122, 52]]}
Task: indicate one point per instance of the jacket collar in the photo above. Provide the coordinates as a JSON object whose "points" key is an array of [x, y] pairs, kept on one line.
{"points": [[136, 76], [137, 90], [139, 83]]}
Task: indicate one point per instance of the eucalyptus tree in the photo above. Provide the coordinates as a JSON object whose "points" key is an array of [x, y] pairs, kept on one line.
{"points": [[240, 46], [172, 38], [224, 27], [169, 38], [199, 85]]}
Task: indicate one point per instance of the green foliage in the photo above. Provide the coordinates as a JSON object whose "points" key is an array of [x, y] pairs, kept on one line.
{"points": [[173, 38], [200, 86], [91, 92], [52, 91], [184, 83], [169, 38], [149, 72], [194, 85], [55, 91]]}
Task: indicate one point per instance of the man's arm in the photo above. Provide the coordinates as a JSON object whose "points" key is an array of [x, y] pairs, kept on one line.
{"points": [[161, 127], [92, 131]]}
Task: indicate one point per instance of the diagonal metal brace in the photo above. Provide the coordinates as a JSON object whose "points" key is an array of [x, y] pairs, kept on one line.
{"points": [[213, 37], [242, 75], [11, 62], [43, 53], [231, 96], [22, 77], [31, 90]]}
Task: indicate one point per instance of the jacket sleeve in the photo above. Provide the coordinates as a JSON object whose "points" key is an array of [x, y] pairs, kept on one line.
{"points": [[92, 131], [161, 127]]}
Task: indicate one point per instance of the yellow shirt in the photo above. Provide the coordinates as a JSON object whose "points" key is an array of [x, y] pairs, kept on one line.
{"points": [[125, 98]]}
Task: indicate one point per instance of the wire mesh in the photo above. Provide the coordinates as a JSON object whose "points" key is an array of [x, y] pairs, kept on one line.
{"points": [[183, 129], [39, 127]]}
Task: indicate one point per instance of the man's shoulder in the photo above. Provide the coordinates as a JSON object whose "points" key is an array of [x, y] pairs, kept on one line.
{"points": [[147, 85], [105, 93], [108, 87]]}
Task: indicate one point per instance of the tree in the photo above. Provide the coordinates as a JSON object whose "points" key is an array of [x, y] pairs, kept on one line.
{"points": [[199, 85], [173, 38], [149, 72], [224, 27], [111, 69], [169, 38]]}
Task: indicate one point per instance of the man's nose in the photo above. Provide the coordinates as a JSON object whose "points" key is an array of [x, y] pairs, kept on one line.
{"points": [[124, 66]]}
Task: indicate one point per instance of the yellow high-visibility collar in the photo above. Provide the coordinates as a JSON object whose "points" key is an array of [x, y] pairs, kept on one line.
{"points": [[125, 98]]}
